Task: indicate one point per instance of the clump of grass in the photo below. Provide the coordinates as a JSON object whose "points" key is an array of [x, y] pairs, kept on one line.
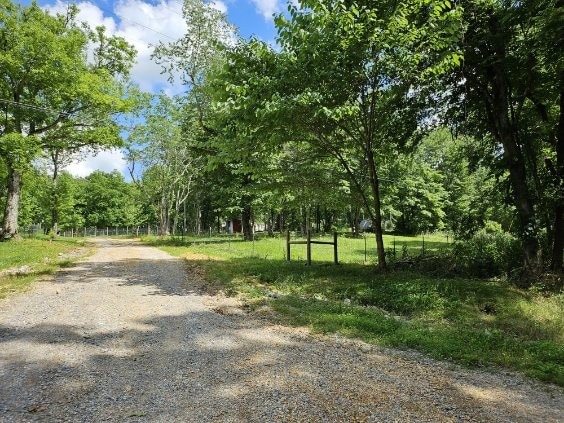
{"points": [[474, 322], [23, 261]]}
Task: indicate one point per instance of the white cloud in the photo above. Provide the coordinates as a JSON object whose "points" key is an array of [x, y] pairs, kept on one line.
{"points": [[145, 25], [141, 24], [267, 7], [106, 161], [88, 13]]}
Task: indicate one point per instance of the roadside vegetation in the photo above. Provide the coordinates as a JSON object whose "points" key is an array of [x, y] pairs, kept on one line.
{"points": [[475, 322], [24, 261]]}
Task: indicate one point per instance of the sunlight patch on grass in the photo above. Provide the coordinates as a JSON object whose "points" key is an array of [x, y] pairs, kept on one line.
{"points": [[23, 261]]}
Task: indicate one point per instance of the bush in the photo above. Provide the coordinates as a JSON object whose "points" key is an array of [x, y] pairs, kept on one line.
{"points": [[488, 253]]}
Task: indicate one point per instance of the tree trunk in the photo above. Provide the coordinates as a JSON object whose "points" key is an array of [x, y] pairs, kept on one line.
{"points": [[163, 217], [184, 223], [10, 224], [377, 221], [55, 196], [54, 221], [198, 227], [271, 220], [176, 214], [353, 217], [558, 246], [505, 131], [327, 220], [246, 219], [281, 221]]}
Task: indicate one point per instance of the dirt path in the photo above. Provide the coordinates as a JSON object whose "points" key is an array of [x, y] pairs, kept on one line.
{"points": [[125, 336]]}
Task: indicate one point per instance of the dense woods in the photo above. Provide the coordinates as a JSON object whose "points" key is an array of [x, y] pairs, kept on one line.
{"points": [[417, 116]]}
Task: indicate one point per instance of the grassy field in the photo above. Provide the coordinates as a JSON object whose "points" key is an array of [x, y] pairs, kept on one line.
{"points": [[473, 322], [351, 250], [23, 261]]}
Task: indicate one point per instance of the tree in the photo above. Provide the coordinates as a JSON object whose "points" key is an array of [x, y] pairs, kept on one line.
{"points": [[107, 200], [467, 181], [508, 93], [361, 71], [242, 141], [189, 58], [52, 97], [161, 145]]}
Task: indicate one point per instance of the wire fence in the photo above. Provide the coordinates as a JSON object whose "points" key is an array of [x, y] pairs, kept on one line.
{"points": [[352, 248], [108, 231]]}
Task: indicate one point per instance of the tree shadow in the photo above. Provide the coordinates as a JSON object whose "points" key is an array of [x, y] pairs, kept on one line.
{"points": [[471, 321], [204, 366]]}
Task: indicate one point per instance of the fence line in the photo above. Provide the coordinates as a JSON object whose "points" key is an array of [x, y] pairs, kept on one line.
{"points": [[92, 231]]}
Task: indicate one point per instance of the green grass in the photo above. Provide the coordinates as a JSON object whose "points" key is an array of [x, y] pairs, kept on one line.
{"points": [[473, 322], [351, 250], [40, 256]]}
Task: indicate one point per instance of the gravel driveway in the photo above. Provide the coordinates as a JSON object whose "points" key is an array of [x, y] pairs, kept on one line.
{"points": [[125, 335]]}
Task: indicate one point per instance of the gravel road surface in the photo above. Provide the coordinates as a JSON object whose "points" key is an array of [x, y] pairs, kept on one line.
{"points": [[126, 336]]}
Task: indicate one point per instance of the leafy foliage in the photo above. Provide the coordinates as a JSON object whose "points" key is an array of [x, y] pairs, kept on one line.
{"points": [[107, 200], [54, 98]]}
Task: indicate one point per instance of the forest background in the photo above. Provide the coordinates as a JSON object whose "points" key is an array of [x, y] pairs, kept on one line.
{"points": [[417, 116]]}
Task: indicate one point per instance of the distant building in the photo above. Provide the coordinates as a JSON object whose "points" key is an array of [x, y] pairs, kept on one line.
{"points": [[234, 226]]}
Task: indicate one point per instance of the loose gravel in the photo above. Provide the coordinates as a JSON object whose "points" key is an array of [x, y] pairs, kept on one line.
{"points": [[127, 335]]}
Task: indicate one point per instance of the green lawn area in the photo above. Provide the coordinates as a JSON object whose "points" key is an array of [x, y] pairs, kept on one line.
{"points": [[351, 250], [34, 257], [473, 322]]}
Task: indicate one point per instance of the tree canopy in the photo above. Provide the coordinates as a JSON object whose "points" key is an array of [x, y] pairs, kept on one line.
{"points": [[54, 99], [414, 116]]}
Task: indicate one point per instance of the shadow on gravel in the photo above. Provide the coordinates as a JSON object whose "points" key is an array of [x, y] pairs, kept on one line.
{"points": [[203, 366], [161, 276]]}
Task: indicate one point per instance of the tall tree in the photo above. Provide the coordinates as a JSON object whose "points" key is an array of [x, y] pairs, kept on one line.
{"points": [[188, 58], [361, 70], [511, 80], [243, 142], [162, 146], [50, 92], [107, 200]]}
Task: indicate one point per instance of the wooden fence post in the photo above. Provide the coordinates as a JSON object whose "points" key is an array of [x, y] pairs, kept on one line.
{"points": [[335, 251], [308, 247], [288, 245]]}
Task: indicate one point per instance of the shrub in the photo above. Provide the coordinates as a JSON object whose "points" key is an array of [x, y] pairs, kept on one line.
{"points": [[488, 253]]}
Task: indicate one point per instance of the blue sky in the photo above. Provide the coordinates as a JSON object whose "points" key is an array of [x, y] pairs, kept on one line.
{"points": [[144, 22]]}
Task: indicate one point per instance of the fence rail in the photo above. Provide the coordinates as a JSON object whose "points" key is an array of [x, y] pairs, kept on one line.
{"points": [[308, 242]]}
